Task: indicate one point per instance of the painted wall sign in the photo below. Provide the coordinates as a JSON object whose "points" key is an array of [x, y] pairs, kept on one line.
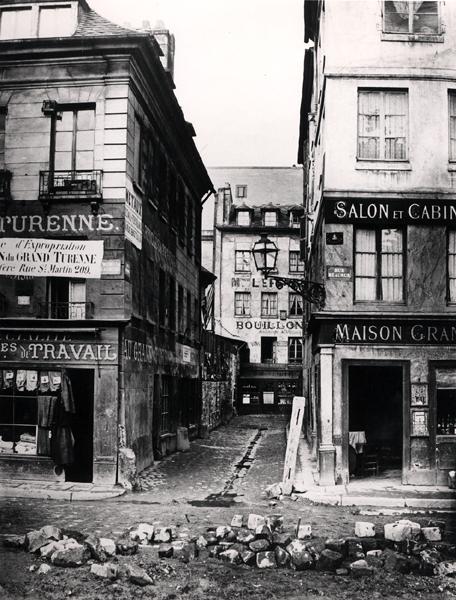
{"points": [[390, 211], [37, 257], [334, 238], [268, 325], [56, 224], [379, 331], [133, 216], [139, 352], [57, 351], [252, 282], [339, 272]]}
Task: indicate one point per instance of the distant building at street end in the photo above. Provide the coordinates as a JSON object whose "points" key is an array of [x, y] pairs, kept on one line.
{"points": [[268, 321], [101, 187], [378, 145]]}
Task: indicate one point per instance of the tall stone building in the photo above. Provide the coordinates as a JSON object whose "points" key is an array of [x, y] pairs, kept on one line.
{"points": [[249, 202], [378, 142], [101, 188]]}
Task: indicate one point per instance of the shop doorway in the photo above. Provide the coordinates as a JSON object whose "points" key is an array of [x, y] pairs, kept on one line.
{"points": [[375, 422], [82, 383], [268, 349]]}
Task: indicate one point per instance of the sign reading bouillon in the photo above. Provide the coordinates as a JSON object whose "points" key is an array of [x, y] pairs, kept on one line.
{"points": [[398, 212]]}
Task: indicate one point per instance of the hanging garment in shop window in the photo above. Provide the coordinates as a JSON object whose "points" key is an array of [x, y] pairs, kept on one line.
{"points": [[46, 411], [67, 394], [31, 382], [62, 440], [44, 382], [8, 379], [21, 374], [55, 380]]}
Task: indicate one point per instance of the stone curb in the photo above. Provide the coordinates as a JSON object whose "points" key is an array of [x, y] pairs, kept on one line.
{"points": [[70, 496], [380, 501]]}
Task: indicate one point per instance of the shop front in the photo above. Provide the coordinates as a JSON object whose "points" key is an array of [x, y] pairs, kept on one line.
{"points": [[384, 392], [58, 404], [268, 389]]}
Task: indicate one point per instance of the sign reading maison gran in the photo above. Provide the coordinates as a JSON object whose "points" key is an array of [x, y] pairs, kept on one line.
{"points": [[390, 211], [381, 331]]}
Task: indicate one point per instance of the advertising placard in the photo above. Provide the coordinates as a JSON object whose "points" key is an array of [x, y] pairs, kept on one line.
{"points": [[77, 259], [133, 216]]}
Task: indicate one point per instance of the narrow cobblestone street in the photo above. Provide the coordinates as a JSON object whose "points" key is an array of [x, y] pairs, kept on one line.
{"points": [[221, 475]]}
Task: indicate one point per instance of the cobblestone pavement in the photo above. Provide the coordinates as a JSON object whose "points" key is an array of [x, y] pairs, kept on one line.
{"points": [[176, 488]]}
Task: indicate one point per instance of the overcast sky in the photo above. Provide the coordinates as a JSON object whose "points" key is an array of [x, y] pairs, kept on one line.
{"points": [[238, 72]]}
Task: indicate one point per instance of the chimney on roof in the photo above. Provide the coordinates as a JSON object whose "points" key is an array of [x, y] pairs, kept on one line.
{"points": [[167, 44]]}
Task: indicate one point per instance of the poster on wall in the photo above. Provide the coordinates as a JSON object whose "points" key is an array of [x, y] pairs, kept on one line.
{"points": [[419, 394], [133, 216], [419, 423], [76, 259]]}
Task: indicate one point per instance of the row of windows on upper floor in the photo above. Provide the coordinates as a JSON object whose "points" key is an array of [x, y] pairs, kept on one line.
{"points": [[170, 306], [380, 265], [38, 20], [383, 125], [269, 218], [72, 160], [269, 305], [243, 261]]}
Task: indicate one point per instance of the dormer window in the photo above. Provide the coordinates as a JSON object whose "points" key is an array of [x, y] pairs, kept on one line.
{"points": [[16, 23], [295, 219], [243, 218], [38, 20], [241, 191], [270, 218]]}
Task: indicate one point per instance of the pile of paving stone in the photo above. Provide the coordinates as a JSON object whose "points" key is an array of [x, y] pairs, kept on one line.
{"points": [[403, 546]]}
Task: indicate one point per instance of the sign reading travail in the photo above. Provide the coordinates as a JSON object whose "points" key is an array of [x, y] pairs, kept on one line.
{"points": [[79, 259]]}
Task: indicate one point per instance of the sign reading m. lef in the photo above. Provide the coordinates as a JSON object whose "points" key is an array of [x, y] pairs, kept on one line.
{"points": [[79, 259]]}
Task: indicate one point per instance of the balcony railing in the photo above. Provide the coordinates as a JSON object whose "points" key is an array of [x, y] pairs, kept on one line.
{"points": [[75, 311], [71, 184], [5, 183]]}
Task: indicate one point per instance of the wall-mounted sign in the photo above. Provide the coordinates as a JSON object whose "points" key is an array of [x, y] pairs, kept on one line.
{"points": [[339, 272], [382, 331], [64, 351], [61, 223], [133, 216], [419, 423], [111, 267], [390, 211], [187, 354], [419, 394], [268, 325], [334, 238], [37, 257]]}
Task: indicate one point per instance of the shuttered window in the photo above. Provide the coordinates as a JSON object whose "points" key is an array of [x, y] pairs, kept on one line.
{"points": [[382, 124], [379, 265]]}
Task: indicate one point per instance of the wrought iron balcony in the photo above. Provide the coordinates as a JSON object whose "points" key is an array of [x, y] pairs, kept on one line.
{"points": [[5, 183], [75, 311], [71, 184]]}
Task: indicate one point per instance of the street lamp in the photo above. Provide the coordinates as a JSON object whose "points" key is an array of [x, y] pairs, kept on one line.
{"points": [[265, 256]]}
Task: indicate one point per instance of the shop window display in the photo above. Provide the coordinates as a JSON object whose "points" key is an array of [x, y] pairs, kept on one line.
{"points": [[33, 405]]}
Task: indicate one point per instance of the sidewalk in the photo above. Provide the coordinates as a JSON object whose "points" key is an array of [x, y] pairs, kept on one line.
{"points": [[58, 490], [370, 491]]}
